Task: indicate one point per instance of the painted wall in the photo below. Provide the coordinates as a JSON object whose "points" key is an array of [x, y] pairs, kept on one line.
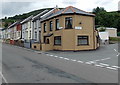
{"points": [[37, 29], [112, 32], [69, 36]]}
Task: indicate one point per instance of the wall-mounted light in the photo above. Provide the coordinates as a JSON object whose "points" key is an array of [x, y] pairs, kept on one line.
{"points": [[80, 23]]}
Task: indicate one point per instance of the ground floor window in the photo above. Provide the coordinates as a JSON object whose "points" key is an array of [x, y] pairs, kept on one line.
{"points": [[30, 34], [47, 41], [35, 35], [83, 40], [57, 40]]}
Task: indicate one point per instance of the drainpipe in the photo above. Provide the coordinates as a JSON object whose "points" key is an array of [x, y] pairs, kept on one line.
{"points": [[93, 32]]}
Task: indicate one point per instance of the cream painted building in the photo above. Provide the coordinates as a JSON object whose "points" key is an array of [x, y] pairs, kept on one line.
{"points": [[69, 29], [27, 28]]}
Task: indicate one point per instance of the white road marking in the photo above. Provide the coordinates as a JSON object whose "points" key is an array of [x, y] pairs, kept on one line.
{"points": [[91, 62], [115, 67], [51, 55], [60, 57], [88, 62], [3, 77], [55, 56], [106, 58], [117, 52], [96, 60], [99, 65], [66, 58], [73, 60], [112, 68], [80, 61], [104, 64]]}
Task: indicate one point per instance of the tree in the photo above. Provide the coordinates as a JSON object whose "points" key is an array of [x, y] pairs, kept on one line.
{"points": [[98, 10], [5, 17], [6, 25]]}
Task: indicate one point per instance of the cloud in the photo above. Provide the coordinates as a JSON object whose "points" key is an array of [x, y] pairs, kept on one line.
{"points": [[69, 2], [15, 7], [119, 5], [103, 2], [12, 8]]}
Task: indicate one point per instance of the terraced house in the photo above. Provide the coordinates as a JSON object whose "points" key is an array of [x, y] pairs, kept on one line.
{"points": [[37, 28], [69, 29], [27, 31], [11, 32]]}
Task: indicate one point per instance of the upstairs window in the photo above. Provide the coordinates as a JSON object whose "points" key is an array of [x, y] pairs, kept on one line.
{"points": [[45, 29], [83, 40], [68, 22], [57, 24], [51, 25]]}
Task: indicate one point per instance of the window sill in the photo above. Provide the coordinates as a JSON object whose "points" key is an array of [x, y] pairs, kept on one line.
{"points": [[57, 45], [68, 28], [83, 45]]}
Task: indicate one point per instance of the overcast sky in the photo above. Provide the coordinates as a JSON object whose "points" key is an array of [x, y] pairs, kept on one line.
{"points": [[12, 7]]}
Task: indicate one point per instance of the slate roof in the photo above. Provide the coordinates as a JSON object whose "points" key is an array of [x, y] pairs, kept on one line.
{"points": [[27, 19], [49, 14], [12, 25], [39, 15], [68, 10]]}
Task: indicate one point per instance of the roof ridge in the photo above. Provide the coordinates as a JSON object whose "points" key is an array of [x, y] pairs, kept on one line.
{"points": [[84, 11], [71, 7], [55, 10], [66, 9]]}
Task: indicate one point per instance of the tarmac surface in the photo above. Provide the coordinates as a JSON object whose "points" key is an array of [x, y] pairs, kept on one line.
{"points": [[21, 65]]}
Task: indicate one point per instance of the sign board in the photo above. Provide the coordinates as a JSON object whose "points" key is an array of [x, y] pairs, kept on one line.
{"points": [[78, 27], [60, 27]]}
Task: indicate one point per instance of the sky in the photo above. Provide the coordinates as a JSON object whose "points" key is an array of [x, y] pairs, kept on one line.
{"points": [[11, 8]]}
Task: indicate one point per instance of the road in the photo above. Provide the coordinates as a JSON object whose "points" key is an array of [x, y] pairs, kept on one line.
{"points": [[20, 65]]}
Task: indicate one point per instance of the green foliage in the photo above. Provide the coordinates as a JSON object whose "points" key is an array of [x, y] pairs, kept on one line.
{"points": [[114, 39], [98, 10], [118, 34], [6, 25], [19, 17], [107, 19]]}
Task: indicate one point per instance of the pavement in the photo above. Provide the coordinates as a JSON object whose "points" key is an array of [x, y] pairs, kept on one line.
{"points": [[21, 65]]}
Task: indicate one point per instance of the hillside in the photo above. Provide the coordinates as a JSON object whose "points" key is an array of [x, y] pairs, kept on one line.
{"points": [[7, 21], [102, 18]]}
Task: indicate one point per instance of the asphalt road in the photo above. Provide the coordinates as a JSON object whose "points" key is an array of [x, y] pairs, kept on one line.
{"points": [[21, 65], [107, 54]]}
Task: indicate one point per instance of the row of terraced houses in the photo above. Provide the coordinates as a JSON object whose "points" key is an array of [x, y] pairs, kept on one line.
{"points": [[66, 29]]}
